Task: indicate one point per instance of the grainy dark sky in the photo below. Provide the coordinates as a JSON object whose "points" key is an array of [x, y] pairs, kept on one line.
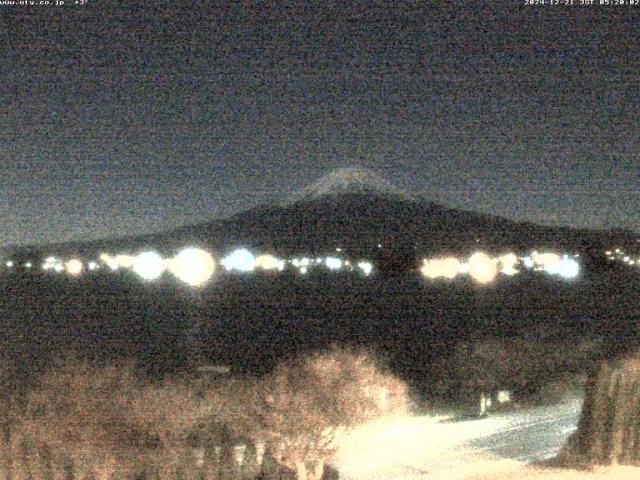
{"points": [[129, 119]]}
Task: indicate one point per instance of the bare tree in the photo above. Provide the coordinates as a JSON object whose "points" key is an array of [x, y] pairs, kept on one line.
{"points": [[106, 422], [305, 404]]}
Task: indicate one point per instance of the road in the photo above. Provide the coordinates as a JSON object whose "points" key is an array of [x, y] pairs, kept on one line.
{"points": [[531, 436], [423, 447]]}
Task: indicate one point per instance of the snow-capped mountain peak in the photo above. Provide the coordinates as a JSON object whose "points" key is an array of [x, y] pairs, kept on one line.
{"points": [[349, 180]]}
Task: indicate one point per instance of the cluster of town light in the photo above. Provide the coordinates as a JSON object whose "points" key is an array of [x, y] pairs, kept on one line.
{"points": [[554, 264], [193, 266], [620, 255], [484, 269], [242, 260]]}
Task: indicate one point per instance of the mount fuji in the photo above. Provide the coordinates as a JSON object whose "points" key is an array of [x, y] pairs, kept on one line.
{"points": [[365, 214]]}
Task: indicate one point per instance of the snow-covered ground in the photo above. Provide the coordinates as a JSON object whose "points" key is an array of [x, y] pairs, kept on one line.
{"points": [[427, 447]]}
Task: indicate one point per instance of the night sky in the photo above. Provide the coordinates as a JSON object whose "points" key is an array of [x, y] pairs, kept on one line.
{"points": [[126, 120]]}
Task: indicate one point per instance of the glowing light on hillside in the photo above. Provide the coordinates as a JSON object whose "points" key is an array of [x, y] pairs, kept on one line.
{"points": [[550, 262], [430, 268], [333, 263], [450, 267], [148, 265], [109, 261], [568, 268], [302, 262], [482, 268], [52, 263], [28, 265], [74, 267], [124, 261], [242, 260], [193, 266], [365, 267], [508, 263], [9, 263], [509, 271], [267, 262], [92, 265]]}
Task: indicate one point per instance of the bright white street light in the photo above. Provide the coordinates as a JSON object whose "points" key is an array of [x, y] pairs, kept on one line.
{"points": [[482, 268], [148, 265], [333, 263], [125, 261], [74, 267], [366, 267], [568, 268], [266, 262], [450, 267], [508, 263], [305, 262], [241, 260], [430, 268], [193, 266], [548, 261]]}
